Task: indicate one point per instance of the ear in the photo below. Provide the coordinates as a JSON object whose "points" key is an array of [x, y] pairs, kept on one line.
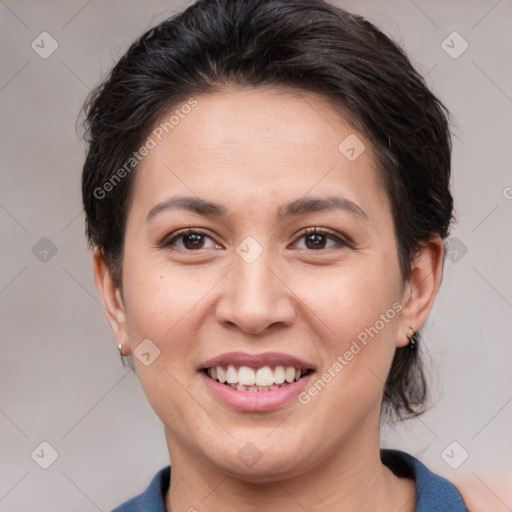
{"points": [[421, 287], [112, 300]]}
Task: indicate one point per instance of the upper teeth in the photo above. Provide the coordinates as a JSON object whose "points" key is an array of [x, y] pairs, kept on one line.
{"points": [[246, 376]]}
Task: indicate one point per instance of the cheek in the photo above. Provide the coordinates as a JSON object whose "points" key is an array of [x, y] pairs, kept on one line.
{"points": [[161, 306], [360, 309], [160, 301], [352, 301]]}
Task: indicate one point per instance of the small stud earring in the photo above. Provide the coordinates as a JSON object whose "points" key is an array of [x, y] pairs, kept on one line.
{"points": [[120, 347], [413, 338]]}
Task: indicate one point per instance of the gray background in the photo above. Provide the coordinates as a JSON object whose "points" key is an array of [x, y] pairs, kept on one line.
{"points": [[61, 379]]}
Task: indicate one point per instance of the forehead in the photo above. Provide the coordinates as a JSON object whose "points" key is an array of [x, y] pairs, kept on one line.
{"points": [[259, 146]]}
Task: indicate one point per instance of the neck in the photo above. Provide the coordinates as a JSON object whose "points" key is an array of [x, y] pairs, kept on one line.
{"points": [[351, 479]]}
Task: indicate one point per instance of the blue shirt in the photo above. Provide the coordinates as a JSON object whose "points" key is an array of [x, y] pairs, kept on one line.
{"points": [[434, 493]]}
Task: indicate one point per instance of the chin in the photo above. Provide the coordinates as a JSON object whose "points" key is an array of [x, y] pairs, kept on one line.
{"points": [[262, 464]]}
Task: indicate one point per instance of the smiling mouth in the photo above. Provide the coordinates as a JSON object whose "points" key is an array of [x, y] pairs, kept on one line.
{"points": [[266, 378]]}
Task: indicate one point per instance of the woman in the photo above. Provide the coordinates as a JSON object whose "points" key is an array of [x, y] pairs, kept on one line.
{"points": [[267, 194]]}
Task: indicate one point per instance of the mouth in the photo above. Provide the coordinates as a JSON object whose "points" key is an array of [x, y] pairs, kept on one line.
{"points": [[255, 382], [256, 379]]}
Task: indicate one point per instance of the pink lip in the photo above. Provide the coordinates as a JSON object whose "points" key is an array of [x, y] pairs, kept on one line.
{"points": [[256, 360], [254, 400]]}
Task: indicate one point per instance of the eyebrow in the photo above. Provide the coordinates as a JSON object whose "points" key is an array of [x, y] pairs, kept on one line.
{"points": [[291, 209]]}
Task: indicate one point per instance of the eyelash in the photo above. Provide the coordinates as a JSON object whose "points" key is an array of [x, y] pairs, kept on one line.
{"points": [[169, 242]]}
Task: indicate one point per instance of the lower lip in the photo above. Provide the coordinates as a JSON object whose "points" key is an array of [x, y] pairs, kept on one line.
{"points": [[255, 400]]}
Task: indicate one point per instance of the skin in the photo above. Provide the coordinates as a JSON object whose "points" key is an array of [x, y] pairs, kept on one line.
{"points": [[252, 150]]}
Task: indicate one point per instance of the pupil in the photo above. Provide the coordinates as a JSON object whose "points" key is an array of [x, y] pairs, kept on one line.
{"points": [[317, 239], [196, 239]]}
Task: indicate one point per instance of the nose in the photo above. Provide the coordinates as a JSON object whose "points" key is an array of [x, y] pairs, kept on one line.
{"points": [[255, 298]]}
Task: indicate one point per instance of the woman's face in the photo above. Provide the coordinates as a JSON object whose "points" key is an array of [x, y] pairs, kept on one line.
{"points": [[249, 287]]}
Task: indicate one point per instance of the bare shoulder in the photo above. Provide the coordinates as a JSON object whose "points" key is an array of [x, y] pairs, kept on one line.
{"points": [[486, 492]]}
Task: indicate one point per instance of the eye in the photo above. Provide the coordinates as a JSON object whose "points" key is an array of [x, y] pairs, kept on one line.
{"points": [[192, 240], [316, 238]]}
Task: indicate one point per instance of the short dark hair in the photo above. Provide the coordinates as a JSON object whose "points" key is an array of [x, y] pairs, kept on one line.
{"points": [[305, 45]]}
